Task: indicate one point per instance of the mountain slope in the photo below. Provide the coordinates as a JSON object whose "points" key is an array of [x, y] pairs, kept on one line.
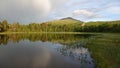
{"points": [[65, 21]]}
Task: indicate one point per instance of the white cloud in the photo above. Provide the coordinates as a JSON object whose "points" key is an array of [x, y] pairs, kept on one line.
{"points": [[82, 12], [113, 9], [86, 14]]}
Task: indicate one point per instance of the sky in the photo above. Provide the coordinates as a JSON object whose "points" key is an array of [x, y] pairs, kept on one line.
{"points": [[28, 11]]}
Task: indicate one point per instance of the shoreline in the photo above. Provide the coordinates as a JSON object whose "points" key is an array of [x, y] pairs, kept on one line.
{"points": [[48, 33], [55, 33]]}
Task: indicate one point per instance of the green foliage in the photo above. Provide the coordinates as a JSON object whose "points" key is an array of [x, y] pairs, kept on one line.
{"points": [[4, 26], [110, 26], [63, 25]]}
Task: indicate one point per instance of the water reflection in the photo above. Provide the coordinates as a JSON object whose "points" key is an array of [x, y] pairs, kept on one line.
{"points": [[78, 53], [61, 38], [44, 51]]}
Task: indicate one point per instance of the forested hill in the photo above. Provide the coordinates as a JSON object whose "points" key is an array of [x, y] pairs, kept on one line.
{"points": [[70, 18], [101, 26], [62, 25], [65, 21]]}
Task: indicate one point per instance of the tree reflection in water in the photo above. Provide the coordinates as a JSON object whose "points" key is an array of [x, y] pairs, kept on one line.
{"points": [[57, 38]]}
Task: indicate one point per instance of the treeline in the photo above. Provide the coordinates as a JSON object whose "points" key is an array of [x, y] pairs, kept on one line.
{"points": [[110, 26], [62, 26], [53, 26]]}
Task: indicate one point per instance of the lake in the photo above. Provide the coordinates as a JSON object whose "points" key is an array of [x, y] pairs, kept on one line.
{"points": [[44, 51], [54, 50]]}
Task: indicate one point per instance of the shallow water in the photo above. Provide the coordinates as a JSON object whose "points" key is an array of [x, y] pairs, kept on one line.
{"points": [[44, 51]]}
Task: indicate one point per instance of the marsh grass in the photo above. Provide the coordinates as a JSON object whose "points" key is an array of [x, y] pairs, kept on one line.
{"points": [[105, 49]]}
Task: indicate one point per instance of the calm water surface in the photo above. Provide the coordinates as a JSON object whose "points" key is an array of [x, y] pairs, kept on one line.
{"points": [[44, 51]]}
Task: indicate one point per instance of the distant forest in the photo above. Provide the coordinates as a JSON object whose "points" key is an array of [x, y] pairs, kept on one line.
{"points": [[63, 25]]}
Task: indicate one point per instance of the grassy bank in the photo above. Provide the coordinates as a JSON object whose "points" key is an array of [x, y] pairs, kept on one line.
{"points": [[105, 49]]}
